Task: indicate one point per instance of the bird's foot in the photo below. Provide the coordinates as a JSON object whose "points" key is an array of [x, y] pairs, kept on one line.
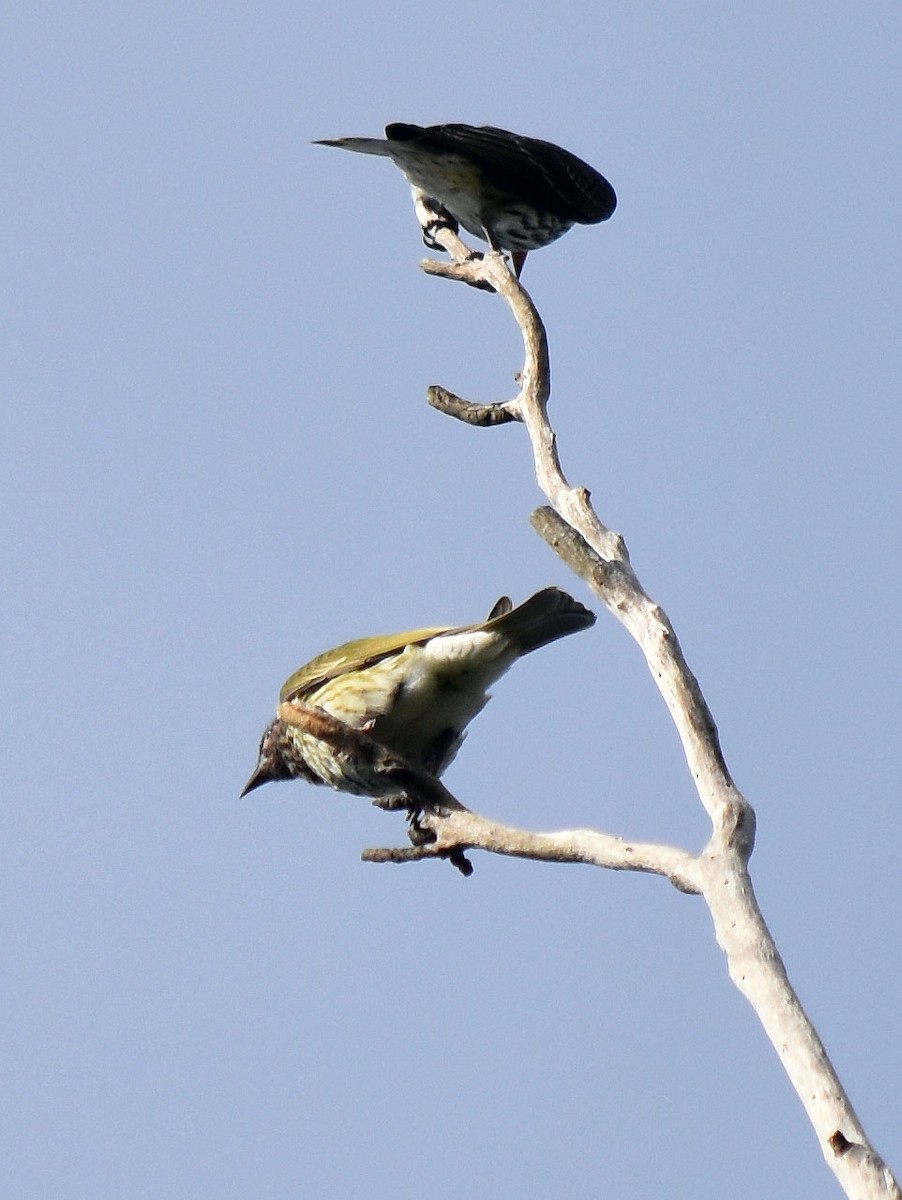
{"points": [[439, 220], [422, 834], [478, 256], [393, 803]]}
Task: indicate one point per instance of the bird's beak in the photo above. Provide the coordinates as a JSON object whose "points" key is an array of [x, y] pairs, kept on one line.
{"points": [[260, 776]]}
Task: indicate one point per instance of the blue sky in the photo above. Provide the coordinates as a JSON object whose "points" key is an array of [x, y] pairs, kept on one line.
{"points": [[217, 461]]}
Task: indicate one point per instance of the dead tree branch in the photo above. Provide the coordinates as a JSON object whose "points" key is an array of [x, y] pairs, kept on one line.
{"points": [[598, 555]]}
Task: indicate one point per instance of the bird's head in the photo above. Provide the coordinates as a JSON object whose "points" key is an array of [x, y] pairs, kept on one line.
{"points": [[275, 759]]}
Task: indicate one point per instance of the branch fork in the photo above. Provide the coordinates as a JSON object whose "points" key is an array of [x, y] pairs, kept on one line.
{"points": [[570, 525]]}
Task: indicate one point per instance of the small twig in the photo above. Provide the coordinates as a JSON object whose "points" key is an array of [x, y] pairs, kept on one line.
{"points": [[441, 827], [500, 413], [466, 830]]}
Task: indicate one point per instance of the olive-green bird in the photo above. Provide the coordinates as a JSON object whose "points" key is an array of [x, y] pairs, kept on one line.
{"points": [[414, 693]]}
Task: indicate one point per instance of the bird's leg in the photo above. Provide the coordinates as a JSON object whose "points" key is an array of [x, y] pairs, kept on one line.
{"points": [[438, 218], [518, 257], [421, 835], [393, 803], [435, 220]]}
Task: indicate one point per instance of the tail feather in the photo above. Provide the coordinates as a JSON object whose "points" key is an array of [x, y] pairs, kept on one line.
{"points": [[543, 618], [358, 144], [502, 605]]}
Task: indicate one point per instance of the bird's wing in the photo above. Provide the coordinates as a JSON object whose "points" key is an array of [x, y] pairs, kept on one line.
{"points": [[538, 172], [352, 656]]}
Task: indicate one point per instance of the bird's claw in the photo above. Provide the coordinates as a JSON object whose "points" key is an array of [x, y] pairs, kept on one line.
{"points": [[421, 834], [439, 220], [392, 803]]}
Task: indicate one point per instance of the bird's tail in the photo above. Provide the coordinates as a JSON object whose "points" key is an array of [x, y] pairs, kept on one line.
{"points": [[543, 618], [360, 145]]}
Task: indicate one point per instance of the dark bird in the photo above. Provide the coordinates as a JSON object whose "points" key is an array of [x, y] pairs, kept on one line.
{"points": [[518, 193], [415, 692]]}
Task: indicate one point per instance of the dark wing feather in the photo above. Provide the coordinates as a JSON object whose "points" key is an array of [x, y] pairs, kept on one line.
{"points": [[536, 172]]}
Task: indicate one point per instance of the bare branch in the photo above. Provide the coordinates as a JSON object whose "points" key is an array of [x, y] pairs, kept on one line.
{"points": [[616, 585], [500, 413], [463, 829], [441, 827], [720, 873]]}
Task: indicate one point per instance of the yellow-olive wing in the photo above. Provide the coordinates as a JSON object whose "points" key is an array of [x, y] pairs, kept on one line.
{"points": [[352, 656]]}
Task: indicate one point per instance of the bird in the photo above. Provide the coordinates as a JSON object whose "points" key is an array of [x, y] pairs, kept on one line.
{"points": [[413, 693], [517, 193]]}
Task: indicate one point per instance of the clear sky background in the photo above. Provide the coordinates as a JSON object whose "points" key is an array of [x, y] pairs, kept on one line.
{"points": [[217, 461]]}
